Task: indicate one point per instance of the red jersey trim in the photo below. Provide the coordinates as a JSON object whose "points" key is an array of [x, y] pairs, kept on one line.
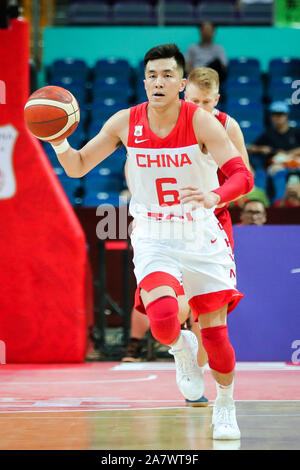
{"points": [[207, 303], [223, 118], [155, 279], [141, 136]]}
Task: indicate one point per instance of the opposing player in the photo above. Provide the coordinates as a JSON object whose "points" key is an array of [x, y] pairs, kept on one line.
{"points": [[177, 237], [202, 88]]}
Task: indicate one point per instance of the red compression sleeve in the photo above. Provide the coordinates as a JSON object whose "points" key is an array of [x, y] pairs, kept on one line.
{"points": [[240, 180]]}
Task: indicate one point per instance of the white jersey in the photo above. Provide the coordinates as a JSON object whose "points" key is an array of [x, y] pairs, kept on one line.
{"points": [[159, 167], [191, 254]]}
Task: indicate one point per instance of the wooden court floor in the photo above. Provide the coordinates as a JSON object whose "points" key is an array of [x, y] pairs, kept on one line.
{"points": [[113, 406]]}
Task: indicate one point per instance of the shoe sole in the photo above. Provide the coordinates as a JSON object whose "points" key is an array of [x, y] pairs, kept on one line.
{"points": [[227, 438], [201, 402]]}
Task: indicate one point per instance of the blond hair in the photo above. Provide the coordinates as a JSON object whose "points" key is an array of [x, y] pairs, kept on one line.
{"points": [[204, 77]]}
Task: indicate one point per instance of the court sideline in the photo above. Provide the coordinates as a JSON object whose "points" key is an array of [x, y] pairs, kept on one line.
{"points": [[113, 406]]}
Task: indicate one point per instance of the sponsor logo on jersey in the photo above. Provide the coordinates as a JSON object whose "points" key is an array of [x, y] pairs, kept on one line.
{"points": [[138, 131], [139, 141]]}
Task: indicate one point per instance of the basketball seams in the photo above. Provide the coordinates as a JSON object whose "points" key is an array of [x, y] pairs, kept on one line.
{"points": [[67, 107], [43, 121], [52, 90], [77, 118], [53, 120]]}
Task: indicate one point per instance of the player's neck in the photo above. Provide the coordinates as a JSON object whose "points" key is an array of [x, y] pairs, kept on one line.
{"points": [[163, 117]]}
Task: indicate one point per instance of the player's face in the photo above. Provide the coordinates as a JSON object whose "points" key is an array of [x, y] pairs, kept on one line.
{"points": [[163, 81], [206, 99]]}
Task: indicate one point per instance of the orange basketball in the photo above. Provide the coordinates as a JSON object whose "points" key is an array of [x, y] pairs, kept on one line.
{"points": [[52, 113]]}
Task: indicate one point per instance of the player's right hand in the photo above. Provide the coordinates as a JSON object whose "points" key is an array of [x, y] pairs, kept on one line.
{"points": [[197, 198]]}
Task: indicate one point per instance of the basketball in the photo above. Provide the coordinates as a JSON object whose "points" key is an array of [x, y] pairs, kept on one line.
{"points": [[52, 113]]}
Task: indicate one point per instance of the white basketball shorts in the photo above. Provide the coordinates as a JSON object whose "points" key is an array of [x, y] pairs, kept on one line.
{"points": [[196, 254]]}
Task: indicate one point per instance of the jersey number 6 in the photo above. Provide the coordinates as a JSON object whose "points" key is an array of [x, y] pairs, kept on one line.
{"points": [[162, 194]]}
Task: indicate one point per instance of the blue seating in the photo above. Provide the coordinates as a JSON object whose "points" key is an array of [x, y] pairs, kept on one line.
{"points": [[50, 153], [140, 70], [94, 200], [246, 110], [112, 165], [134, 12], [112, 67], [141, 92], [257, 13], [260, 179], [244, 66], [112, 86], [279, 180], [279, 91], [216, 12], [251, 131], [94, 128], [70, 185], [74, 86], [109, 100], [89, 13], [69, 67], [294, 112], [285, 66], [102, 112], [115, 96], [95, 183], [179, 12], [294, 123], [243, 87], [77, 139], [282, 80]]}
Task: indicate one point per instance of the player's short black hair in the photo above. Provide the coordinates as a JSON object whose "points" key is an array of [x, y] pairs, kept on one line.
{"points": [[166, 51]]}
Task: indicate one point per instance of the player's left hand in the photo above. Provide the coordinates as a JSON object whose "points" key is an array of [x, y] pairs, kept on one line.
{"points": [[197, 198]]}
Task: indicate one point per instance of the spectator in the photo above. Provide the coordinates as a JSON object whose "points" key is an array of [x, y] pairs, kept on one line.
{"points": [[253, 213], [206, 53], [278, 146], [292, 193]]}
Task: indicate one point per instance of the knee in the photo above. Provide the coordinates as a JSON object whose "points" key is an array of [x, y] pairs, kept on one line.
{"points": [[221, 355], [163, 317]]}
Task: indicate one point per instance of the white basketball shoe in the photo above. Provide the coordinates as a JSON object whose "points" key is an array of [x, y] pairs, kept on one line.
{"points": [[224, 419], [189, 376]]}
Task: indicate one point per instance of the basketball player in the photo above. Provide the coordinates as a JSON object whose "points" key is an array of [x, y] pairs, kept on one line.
{"points": [[202, 88], [177, 237]]}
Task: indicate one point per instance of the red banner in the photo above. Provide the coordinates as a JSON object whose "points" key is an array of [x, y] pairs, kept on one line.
{"points": [[45, 283]]}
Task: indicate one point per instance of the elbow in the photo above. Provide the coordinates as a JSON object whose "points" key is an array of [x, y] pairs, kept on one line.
{"points": [[73, 174]]}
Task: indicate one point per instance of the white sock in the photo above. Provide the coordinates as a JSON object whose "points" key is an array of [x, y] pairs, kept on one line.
{"points": [[224, 390]]}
